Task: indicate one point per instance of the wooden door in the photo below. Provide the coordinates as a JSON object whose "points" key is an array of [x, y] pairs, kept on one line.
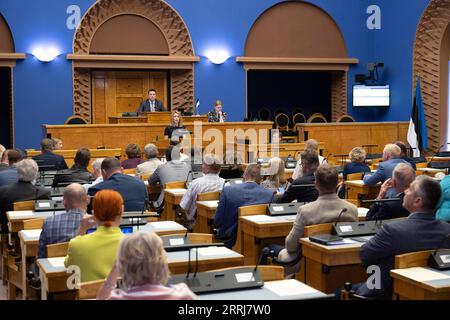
{"points": [[115, 92]]}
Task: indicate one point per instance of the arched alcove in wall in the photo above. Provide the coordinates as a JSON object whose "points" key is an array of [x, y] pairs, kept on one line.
{"points": [[431, 59], [160, 41], [299, 36]]}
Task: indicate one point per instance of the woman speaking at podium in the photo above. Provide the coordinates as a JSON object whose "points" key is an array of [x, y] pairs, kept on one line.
{"points": [[176, 123]]}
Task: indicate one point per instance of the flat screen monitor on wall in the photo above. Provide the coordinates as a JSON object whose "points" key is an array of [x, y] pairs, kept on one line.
{"points": [[371, 96]]}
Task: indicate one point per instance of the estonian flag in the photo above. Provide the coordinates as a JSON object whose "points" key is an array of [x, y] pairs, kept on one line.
{"points": [[417, 131], [197, 106]]}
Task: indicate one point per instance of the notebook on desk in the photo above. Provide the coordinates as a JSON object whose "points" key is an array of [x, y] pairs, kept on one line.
{"points": [[325, 239]]}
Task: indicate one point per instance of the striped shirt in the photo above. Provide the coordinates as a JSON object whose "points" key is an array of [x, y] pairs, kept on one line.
{"points": [[208, 183], [154, 292]]}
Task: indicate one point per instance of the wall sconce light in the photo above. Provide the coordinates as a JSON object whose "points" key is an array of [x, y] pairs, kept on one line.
{"points": [[217, 56], [45, 54]]}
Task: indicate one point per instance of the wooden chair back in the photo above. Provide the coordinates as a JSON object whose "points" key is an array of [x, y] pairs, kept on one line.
{"points": [[89, 290], [355, 176], [33, 224], [57, 249], [247, 211], [206, 196], [412, 259], [175, 185], [23, 205], [317, 229], [129, 171], [268, 272]]}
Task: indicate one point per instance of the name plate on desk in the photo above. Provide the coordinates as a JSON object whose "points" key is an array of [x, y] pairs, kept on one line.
{"points": [[279, 209]]}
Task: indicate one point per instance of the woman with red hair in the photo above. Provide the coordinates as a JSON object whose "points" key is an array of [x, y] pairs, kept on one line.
{"points": [[94, 253]]}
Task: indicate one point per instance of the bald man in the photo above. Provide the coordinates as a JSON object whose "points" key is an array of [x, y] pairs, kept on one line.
{"points": [[65, 226]]}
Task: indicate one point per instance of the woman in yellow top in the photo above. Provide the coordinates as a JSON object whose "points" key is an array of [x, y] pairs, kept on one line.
{"points": [[95, 253]]}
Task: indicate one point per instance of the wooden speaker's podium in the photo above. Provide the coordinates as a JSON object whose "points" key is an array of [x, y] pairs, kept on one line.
{"points": [[162, 117]]}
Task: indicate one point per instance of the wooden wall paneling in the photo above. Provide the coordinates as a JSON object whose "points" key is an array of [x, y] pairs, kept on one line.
{"points": [[99, 97]]}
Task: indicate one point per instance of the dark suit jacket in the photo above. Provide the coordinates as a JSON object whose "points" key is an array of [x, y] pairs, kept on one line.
{"points": [[145, 106], [388, 210], [77, 173], [410, 161], [233, 197], [420, 231], [19, 191], [132, 190], [48, 158], [8, 176], [383, 172], [354, 167], [302, 194]]}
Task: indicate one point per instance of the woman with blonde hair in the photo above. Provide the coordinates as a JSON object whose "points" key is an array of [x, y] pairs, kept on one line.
{"points": [[176, 122], [142, 265], [94, 253], [357, 157], [274, 175]]}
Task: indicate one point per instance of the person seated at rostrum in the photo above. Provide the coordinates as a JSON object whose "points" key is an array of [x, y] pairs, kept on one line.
{"points": [[48, 160], [419, 231], [134, 155], [217, 115], [402, 176], [9, 175], [274, 176], [23, 190], [142, 251], [238, 195], [302, 189], [210, 182], [95, 253], [149, 166], [132, 190], [78, 172], [326, 209]]}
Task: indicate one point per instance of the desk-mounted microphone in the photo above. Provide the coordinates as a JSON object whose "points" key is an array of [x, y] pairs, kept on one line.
{"points": [[335, 230]]}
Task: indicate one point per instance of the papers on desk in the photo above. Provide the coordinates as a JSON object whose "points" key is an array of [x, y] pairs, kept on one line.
{"points": [[341, 242], [261, 218], [422, 274], [176, 191], [288, 287], [57, 262], [213, 251], [25, 213], [362, 212], [244, 277], [211, 203], [31, 234], [160, 225]]}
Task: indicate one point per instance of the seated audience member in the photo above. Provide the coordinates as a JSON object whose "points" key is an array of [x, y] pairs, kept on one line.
{"points": [[175, 124], [391, 154], [402, 176], [443, 211], [274, 176], [78, 172], [210, 182], [239, 195], [3, 158], [313, 145], [217, 115], [57, 144], [134, 155], [63, 227], [296, 191], [357, 157], [404, 152], [48, 160], [171, 171], [132, 190], [9, 175], [95, 253], [96, 175], [144, 252], [232, 167], [149, 166], [420, 231], [325, 209], [23, 190]]}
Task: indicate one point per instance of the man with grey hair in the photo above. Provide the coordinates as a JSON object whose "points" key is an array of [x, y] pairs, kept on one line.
{"points": [[210, 182], [22, 190], [239, 195], [63, 227], [402, 176], [149, 166], [48, 160], [97, 174], [9, 175]]}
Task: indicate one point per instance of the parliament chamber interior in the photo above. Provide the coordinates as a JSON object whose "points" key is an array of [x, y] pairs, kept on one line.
{"points": [[225, 150]]}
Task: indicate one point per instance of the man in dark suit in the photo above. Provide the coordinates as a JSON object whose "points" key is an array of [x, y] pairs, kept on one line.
{"points": [[296, 191], [404, 154], [402, 176], [9, 175], [78, 172], [239, 195], [420, 231], [151, 104], [391, 158], [48, 160], [132, 190], [22, 190]]}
